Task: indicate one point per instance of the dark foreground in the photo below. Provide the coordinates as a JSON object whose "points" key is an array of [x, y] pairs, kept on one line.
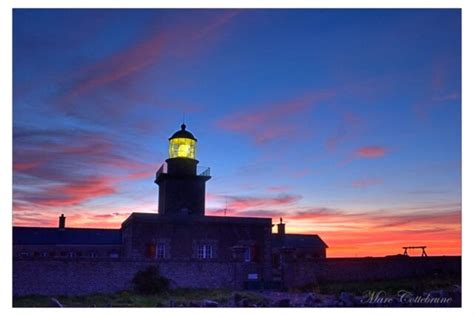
{"points": [[429, 292]]}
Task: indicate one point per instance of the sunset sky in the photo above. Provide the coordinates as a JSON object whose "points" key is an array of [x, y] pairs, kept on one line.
{"points": [[346, 123]]}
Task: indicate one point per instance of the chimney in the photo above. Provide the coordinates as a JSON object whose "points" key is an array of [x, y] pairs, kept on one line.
{"points": [[281, 227], [62, 222]]}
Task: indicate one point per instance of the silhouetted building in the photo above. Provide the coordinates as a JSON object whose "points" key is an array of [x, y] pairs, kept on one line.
{"points": [[179, 233]]}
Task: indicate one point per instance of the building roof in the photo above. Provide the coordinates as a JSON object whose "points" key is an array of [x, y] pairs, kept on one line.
{"points": [[195, 219], [183, 133], [297, 241], [67, 236]]}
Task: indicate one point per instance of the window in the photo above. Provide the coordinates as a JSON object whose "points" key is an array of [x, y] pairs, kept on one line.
{"points": [[93, 254], [24, 254], [247, 254], [114, 254], [205, 251], [251, 254], [161, 251]]}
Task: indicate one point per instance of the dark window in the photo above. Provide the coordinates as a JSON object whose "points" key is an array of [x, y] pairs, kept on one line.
{"points": [[247, 254], [205, 251], [161, 250], [114, 254], [52, 254], [93, 254], [62, 254], [79, 254]]}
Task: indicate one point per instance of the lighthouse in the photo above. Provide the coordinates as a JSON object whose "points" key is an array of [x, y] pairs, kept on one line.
{"points": [[182, 189]]}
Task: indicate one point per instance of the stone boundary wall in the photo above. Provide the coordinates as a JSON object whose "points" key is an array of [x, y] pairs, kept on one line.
{"points": [[366, 269], [78, 277]]}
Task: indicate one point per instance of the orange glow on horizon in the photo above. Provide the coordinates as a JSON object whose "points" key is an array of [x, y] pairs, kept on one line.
{"points": [[360, 239]]}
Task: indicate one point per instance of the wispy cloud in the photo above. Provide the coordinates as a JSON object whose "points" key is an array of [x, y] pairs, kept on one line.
{"points": [[371, 152], [68, 167], [366, 182], [115, 83], [350, 127], [249, 202], [272, 120], [438, 93]]}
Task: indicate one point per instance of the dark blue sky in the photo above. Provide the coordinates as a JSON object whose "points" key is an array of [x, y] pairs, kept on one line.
{"points": [[320, 116]]}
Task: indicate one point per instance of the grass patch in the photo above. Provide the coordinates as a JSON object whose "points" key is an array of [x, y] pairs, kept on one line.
{"points": [[180, 297]]}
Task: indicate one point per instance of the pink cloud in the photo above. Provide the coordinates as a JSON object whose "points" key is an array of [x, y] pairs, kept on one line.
{"points": [[215, 24], [241, 203], [371, 152], [146, 52], [67, 168], [272, 120], [122, 64], [438, 93], [24, 166], [75, 193]]}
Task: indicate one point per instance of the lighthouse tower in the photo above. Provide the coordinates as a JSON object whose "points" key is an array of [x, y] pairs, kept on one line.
{"points": [[181, 189]]}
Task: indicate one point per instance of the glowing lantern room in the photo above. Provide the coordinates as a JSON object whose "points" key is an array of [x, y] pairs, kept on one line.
{"points": [[182, 144]]}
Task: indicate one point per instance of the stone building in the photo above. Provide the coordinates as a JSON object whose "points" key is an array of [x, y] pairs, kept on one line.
{"points": [[180, 232]]}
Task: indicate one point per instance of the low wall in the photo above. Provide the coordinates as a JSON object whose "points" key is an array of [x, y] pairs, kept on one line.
{"points": [[366, 269], [76, 277]]}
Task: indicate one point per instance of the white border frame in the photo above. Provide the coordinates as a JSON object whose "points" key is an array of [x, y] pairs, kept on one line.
{"points": [[6, 136]]}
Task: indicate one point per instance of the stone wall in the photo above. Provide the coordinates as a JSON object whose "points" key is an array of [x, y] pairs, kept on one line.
{"points": [[296, 273], [77, 277]]}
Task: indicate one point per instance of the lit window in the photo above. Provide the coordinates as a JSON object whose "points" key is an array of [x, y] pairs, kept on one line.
{"points": [[182, 148], [161, 250], [205, 251]]}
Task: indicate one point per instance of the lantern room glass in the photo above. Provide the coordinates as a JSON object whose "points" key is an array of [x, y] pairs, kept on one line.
{"points": [[182, 148]]}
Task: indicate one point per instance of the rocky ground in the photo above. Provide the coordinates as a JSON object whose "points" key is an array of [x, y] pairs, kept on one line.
{"points": [[449, 297]]}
